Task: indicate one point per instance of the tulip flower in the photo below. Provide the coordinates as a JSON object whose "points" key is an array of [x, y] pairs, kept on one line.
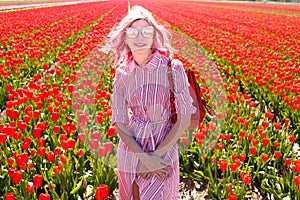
{"points": [[29, 187], [17, 177], [232, 196], [252, 150], [297, 180], [37, 180], [10, 196], [102, 192], [265, 157], [223, 164], [43, 196]]}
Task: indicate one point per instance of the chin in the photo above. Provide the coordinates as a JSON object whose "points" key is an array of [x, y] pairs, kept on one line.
{"points": [[141, 50]]}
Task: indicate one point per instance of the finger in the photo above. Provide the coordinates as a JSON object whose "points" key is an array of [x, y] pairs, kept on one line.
{"points": [[143, 175], [167, 172], [161, 174], [163, 162], [148, 176]]}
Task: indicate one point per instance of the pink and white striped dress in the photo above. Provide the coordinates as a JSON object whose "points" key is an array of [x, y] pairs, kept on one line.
{"points": [[143, 94]]}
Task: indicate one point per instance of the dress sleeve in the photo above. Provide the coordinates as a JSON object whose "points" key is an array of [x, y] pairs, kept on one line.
{"points": [[119, 102], [183, 99]]}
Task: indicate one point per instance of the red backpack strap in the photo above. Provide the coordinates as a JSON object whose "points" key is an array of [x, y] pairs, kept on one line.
{"points": [[172, 97]]}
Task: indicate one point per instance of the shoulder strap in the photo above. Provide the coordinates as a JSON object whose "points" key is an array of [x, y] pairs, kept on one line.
{"points": [[172, 97]]}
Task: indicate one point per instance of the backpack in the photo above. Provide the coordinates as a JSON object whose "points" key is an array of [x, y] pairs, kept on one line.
{"points": [[195, 92]]}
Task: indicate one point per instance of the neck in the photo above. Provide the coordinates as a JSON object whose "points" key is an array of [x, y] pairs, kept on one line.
{"points": [[141, 57]]}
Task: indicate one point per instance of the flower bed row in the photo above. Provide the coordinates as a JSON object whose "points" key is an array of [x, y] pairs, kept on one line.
{"points": [[42, 153], [254, 148]]}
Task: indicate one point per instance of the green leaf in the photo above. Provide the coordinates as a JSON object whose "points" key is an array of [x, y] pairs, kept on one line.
{"points": [[78, 186]]}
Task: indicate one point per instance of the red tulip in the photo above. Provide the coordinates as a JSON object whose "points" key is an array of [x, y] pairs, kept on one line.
{"points": [[54, 116], [2, 138], [63, 137], [229, 187], [80, 152], [223, 164], [36, 114], [39, 105], [288, 162], [93, 144], [30, 164], [276, 144], [41, 151], [111, 131], [65, 144], [81, 137], [291, 138], [247, 179], [297, 180], [9, 87], [234, 156], [29, 187], [252, 150], [96, 135], [50, 156], [220, 145], [233, 167], [14, 114], [232, 196], [71, 88], [277, 126], [72, 143], [265, 157], [102, 192], [277, 154], [17, 177], [242, 133], [37, 180], [265, 124], [99, 119], [286, 122], [43, 196], [56, 129], [22, 125], [102, 151], [17, 135], [41, 142], [32, 152], [10, 161], [265, 141], [250, 136], [37, 132], [10, 196], [63, 158], [254, 141]]}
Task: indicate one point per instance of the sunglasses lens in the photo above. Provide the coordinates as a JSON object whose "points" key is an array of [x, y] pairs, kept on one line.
{"points": [[147, 31], [132, 32]]}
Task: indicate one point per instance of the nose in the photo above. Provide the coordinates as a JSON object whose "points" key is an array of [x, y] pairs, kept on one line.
{"points": [[139, 34]]}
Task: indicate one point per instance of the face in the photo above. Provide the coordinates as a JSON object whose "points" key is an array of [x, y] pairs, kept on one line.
{"points": [[139, 36]]}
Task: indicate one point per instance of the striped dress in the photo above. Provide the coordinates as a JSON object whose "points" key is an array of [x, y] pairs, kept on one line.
{"points": [[141, 100]]}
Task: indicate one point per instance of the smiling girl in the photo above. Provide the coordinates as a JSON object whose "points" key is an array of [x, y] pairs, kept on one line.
{"points": [[148, 164]]}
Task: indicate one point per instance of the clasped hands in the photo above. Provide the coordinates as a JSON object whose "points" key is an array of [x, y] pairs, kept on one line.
{"points": [[155, 165]]}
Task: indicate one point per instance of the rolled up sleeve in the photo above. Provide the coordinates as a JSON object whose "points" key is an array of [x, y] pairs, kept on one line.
{"points": [[183, 99]]}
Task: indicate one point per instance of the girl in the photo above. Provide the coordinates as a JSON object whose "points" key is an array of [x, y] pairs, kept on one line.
{"points": [[148, 166]]}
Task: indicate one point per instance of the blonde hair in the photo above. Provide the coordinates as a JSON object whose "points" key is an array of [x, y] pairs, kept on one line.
{"points": [[161, 41]]}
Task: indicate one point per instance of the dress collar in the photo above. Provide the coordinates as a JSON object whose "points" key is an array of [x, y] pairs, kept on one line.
{"points": [[151, 65]]}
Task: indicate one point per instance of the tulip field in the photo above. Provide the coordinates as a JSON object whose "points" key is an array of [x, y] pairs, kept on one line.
{"points": [[56, 139]]}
